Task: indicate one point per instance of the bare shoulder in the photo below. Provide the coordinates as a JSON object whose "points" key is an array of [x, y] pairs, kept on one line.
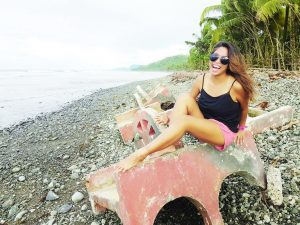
{"points": [[198, 81], [238, 88], [197, 85], [239, 92]]}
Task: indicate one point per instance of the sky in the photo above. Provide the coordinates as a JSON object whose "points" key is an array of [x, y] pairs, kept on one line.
{"points": [[95, 34]]}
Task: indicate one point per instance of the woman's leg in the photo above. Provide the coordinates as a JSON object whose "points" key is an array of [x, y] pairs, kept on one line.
{"points": [[185, 105], [185, 117], [203, 129]]}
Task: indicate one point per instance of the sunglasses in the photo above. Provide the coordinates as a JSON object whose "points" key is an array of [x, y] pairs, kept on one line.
{"points": [[223, 59]]}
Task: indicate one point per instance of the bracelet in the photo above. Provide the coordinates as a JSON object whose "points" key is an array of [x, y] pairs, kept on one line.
{"points": [[242, 127]]}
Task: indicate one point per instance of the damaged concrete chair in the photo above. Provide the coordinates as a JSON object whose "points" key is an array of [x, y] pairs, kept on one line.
{"points": [[195, 172], [152, 100]]}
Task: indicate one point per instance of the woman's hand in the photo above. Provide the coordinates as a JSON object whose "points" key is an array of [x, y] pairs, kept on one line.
{"points": [[240, 136]]}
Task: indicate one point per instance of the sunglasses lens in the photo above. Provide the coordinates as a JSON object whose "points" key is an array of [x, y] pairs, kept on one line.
{"points": [[224, 60], [213, 57]]}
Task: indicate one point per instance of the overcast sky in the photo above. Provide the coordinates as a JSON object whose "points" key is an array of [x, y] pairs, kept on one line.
{"points": [[95, 34]]}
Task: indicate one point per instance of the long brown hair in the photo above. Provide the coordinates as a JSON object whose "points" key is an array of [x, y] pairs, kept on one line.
{"points": [[237, 67]]}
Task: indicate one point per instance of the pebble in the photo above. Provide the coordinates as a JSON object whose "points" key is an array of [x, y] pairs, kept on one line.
{"points": [[51, 221], [21, 178], [51, 184], [16, 169], [45, 181], [8, 203], [66, 156], [77, 197], [51, 196], [95, 223], [20, 215], [84, 207], [267, 218], [65, 208], [274, 185], [13, 211]]}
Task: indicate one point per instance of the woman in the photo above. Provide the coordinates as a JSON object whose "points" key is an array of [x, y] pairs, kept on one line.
{"points": [[219, 115]]}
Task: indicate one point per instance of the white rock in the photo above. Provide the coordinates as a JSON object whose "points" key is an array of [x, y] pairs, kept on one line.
{"points": [[21, 178], [13, 211], [246, 195], [8, 203], [267, 218], [66, 156], [274, 185], [16, 169], [74, 175], [20, 215], [77, 197], [53, 213], [51, 184], [84, 207], [51, 221], [95, 223], [73, 167], [45, 181]]}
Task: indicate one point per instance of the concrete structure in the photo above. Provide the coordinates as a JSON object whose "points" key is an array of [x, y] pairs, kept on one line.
{"points": [[194, 172]]}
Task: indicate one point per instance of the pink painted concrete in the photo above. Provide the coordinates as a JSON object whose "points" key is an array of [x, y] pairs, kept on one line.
{"points": [[195, 173]]}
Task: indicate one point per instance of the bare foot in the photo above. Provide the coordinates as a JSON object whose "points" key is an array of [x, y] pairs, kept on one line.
{"points": [[162, 118], [131, 161]]}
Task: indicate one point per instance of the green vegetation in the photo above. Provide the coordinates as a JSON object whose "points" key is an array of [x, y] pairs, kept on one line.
{"points": [[266, 31], [174, 63]]}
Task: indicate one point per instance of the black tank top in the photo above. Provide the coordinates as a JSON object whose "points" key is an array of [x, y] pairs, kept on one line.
{"points": [[221, 108]]}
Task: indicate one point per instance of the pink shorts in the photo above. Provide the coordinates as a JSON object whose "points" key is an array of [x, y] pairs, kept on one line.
{"points": [[229, 136]]}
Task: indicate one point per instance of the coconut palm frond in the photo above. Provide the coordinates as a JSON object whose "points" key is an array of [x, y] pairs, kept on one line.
{"points": [[208, 10], [269, 9]]}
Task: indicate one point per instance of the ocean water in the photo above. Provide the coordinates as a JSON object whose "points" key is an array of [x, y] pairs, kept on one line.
{"points": [[25, 94]]}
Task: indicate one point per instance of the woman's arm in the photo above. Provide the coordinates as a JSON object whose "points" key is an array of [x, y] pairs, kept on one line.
{"points": [[244, 101], [194, 92]]}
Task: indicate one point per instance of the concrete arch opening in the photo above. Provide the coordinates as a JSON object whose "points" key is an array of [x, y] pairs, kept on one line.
{"points": [[180, 211]]}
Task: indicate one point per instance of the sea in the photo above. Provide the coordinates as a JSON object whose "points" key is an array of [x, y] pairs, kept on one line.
{"points": [[25, 94]]}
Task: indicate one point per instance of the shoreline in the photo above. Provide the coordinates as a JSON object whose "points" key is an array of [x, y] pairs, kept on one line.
{"points": [[43, 95], [55, 151]]}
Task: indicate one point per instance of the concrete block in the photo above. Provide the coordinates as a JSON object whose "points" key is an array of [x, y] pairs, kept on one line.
{"points": [[273, 119], [125, 122], [194, 172], [147, 128]]}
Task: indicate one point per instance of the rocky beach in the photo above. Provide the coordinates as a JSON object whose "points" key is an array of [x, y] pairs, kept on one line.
{"points": [[44, 160]]}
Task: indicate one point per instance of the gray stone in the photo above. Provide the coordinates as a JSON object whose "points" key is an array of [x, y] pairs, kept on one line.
{"points": [[51, 196], [65, 208], [21, 178], [20, 215], [95, 223], [274, 185], [77, 197], [13, 211], [267, 218], [8, 203], [16, 169]]}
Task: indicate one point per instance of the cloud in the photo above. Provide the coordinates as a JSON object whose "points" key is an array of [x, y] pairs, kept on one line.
{"points": [[94, 34]]}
